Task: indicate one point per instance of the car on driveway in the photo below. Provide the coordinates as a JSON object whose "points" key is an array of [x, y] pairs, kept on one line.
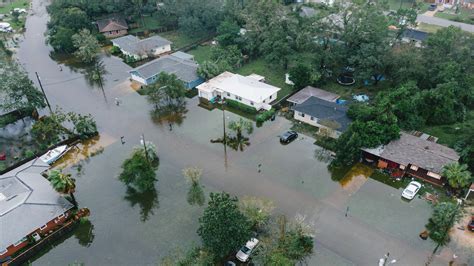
{"points": [[410, 191], [470, 226], [288, 136], [432, 7], [244, 253]]}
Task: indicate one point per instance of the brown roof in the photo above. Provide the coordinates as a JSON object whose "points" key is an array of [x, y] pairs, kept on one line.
{"points": [[413, 150], [304, 94], [112, 24]]}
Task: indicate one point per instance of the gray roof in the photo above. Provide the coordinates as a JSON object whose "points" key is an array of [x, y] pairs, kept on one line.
{"points": [[414, 150], [185, 70], [27, 202], [134, 45], [183, 55], [309, 91], [111, 24], [415, 34], [324, 110]]}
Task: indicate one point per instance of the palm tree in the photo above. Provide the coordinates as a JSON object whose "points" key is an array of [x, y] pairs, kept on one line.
{"points": [[63, 183], [457, 175], [240, 125]]}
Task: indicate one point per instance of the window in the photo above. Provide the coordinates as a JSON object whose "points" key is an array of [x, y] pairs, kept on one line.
{"points": [[414, 168], [402, 166], [61, 216], [43, 227], [434, 175], [263, 101], [236, 97], [312, 118], [251, 103], [228, 94], [19, 242], [270, 97], [301, 114]]}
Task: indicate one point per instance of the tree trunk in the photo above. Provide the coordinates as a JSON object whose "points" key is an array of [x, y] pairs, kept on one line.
{"points": [[74, 202]]}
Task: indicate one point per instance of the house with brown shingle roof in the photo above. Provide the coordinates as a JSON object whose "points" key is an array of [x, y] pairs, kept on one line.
{"points": [[414, 156], [112, 27]]}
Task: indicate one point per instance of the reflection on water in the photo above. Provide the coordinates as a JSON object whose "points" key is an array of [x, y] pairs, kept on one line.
{"points": [[171, 114], [196, 195], [84, 233], [358, 173], [147, 201]]}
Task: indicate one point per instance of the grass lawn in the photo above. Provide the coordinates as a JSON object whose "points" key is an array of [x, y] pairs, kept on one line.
{"points": [[201, 53], [179, 39], [395, 4], [450, 134], [274, 75], [428, 27], [465, 15], [15, 4], [151, 23]]}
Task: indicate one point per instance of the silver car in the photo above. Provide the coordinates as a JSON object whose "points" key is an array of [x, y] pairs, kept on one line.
{"points": [[244, 253]]}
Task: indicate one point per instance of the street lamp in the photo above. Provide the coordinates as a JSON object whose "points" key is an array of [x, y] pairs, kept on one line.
{"points": [[142, 140], [384, 261], [223, 119]]}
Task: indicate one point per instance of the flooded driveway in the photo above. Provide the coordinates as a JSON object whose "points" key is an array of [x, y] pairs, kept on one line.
{"points": [[134, 229]]}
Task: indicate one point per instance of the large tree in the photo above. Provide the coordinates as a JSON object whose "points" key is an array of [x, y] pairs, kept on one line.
{"points": [[223, 228], [445, 214], [86, 46], [138, 171]]}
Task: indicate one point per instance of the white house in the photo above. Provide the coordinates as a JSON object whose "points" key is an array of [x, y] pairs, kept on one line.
{"points": [[141, 49], [248, 90]]}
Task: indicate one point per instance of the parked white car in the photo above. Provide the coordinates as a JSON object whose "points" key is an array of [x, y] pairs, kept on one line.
{"points": [[410, 191], [244, 253], [5, 27]]}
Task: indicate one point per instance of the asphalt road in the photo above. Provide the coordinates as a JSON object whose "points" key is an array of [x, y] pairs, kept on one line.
{"points": [[444, 22]]}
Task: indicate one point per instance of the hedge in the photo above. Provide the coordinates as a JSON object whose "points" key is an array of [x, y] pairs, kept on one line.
{"points": [[240, 106], [265, 116]]}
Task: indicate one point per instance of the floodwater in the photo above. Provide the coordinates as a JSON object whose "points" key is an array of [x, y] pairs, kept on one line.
{"points": [[130, 228]]}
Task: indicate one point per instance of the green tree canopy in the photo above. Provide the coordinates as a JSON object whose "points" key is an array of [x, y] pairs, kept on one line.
{"points": [[223, 228], [86, 46], [457, 175], [138, 171], [63, 183], [445, 214]]}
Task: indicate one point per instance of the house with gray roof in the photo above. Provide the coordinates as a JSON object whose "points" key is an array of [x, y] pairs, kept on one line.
{"points": [[142, 48], [112, 27], [185, 70], [330, 117], [414, 155], [29, 207]]}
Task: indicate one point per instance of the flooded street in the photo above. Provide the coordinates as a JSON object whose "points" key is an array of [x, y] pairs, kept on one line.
{"points": [[353, 220]]}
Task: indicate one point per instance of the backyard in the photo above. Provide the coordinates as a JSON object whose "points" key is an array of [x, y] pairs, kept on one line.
{"points": [[6, 7], [451, 134], [179, 39]]}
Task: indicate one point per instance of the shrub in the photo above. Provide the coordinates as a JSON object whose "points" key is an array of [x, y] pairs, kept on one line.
{"points": [[240, 106], [265, 115], [115, 50]]}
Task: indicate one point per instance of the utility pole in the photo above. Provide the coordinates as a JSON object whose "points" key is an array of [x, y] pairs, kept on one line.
{"points": [[144, 146], [223, 119], [100, 81], [44, 94]]}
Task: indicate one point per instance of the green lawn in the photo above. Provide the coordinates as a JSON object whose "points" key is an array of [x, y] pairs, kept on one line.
{"points": [[151, 23], [201, 53], [179, 39], [15, 4], [450, 134], [274, 75], [465, 15]]}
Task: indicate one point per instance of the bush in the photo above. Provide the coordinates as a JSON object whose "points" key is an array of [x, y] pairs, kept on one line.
{"points": [[240, 106], [265, 115], [115, 50]]}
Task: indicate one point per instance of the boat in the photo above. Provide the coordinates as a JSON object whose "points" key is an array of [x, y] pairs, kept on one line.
{"points": [[53, 155]]}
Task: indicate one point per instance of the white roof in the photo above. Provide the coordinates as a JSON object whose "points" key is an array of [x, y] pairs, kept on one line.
{"points": [[245, 87]]}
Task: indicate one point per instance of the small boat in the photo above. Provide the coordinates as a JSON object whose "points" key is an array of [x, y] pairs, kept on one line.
{"points": [[53, 155]]}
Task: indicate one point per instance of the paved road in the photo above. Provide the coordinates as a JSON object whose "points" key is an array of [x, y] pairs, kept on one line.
{"points": [[444, 22]]}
